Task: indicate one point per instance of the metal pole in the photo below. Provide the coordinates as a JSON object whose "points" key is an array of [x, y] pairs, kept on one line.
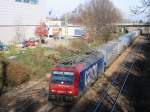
{"points": [[66, 27]]}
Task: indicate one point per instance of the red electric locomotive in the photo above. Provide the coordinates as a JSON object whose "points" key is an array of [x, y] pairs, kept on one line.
{"points": [[64, 83], [69, 82]]}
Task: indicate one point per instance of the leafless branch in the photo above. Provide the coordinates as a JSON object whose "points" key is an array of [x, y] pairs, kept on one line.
{"points": [[143, 8]]}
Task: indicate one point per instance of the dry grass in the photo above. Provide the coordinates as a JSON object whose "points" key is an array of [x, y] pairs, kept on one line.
{"points": [[18, 73], [80, 46]]}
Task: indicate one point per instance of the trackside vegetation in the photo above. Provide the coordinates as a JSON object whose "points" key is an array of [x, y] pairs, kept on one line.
{"points": [[34, 63]]}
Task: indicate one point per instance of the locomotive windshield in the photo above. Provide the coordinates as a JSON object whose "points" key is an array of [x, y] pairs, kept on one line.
{"points": [[66, 78]]}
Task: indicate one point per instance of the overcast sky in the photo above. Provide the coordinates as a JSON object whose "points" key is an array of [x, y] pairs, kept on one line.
{"points": [[60, 7]]}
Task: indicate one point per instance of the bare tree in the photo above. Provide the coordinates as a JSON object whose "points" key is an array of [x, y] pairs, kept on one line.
{"points": [[143, 8], [74, 16], [19, 33], [98, 15], [19, 30]]}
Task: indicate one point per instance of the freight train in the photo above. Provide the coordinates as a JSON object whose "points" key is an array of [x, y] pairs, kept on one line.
{"points": [[70, 79]]}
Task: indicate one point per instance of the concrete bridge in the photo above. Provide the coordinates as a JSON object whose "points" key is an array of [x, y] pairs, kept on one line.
{"points": [[127, 27], [132, 24]]}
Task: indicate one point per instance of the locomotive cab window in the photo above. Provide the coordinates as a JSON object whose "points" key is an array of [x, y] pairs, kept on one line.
{"points": [[65, 78]]}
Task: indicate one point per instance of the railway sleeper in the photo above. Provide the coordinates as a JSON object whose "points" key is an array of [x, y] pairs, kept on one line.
{"points": [[26, 105]]}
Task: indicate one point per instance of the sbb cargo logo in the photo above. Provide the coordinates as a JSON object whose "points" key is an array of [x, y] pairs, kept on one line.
{"points": [[91, 75]]}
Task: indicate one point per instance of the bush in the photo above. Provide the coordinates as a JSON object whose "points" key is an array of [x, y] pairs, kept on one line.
{"points": [[64, 53], [79, 45], [53, 57], [18, 73], [36, 60]]}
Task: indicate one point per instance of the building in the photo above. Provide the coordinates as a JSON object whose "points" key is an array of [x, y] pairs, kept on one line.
{"points": [[18, 18], [57, 29]]}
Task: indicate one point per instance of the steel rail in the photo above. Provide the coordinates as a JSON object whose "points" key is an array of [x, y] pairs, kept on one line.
{"points": [[100, 102], [119, 93], [104, 94], [124, 83]]}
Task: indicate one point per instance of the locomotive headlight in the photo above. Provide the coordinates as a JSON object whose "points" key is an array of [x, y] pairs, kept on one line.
{"points": [[52, 91], [70, 92]]}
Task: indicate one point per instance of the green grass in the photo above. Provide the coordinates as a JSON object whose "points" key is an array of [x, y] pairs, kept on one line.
{"points": [[39, 59], [35, 63], [36, 60]]}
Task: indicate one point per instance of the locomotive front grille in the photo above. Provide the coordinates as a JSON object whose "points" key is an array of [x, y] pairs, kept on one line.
{"points": [[61, 98]]}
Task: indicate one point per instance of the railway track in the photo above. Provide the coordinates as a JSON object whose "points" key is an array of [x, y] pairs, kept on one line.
{"points": [[27, 99], [34, 98], [110, 98], [104, 95]]}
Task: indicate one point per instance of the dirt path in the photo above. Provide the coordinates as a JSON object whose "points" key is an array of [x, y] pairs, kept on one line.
{"points": [[31, 92], [114, 67]]}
